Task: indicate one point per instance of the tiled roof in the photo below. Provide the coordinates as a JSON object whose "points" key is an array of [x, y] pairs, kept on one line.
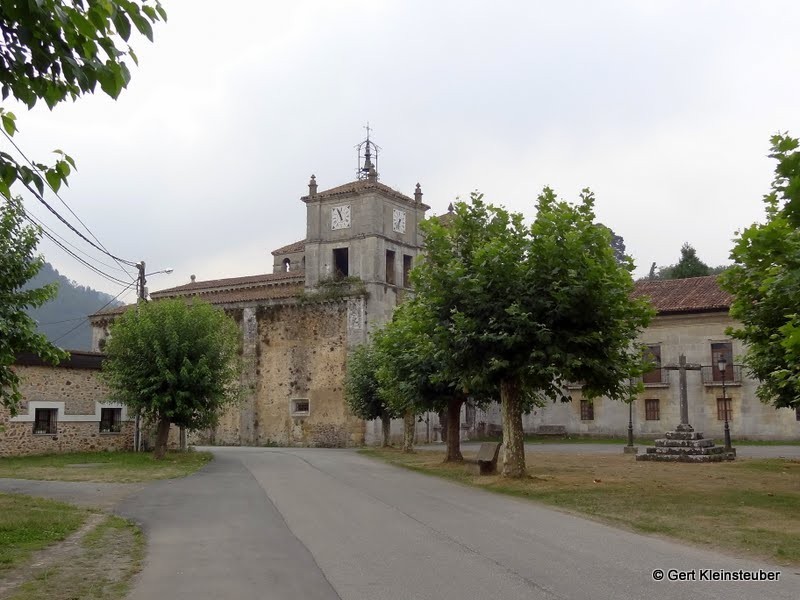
{"points": [[697, 294], [361, 186], [230, 283], [298, 246]]}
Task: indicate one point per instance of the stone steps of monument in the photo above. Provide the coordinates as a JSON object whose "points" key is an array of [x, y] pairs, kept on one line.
{"points": [[683, 435], [688, 458], [687, 450], [667, 443]]}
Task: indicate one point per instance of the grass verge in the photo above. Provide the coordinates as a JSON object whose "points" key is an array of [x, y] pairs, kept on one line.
{"points": [[28, 524], [116, 467], [618, 441], [747, 507], [100, 567]]}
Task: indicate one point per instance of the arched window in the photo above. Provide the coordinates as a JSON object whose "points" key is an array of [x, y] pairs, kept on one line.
{"points": [[287, 265]]}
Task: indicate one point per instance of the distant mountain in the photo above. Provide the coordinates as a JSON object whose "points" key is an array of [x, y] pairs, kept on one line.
{"points": [[68, 310]]}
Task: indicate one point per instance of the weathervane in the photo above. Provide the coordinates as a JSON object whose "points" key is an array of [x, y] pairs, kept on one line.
{"points": [[366, 169]]}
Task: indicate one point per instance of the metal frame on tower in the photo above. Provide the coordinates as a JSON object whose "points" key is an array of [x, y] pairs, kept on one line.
{"points": [[365, 168]]}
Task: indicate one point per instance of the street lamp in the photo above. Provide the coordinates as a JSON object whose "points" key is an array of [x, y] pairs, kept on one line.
{"points": [[722, 365], [630, 448]]}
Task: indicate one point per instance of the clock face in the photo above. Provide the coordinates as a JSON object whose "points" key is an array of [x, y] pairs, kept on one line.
{"points": [[340, 217], [399, 220]]}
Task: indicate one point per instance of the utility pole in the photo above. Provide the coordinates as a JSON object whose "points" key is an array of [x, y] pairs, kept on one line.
{"points": [[142, 297], [142, 281]]}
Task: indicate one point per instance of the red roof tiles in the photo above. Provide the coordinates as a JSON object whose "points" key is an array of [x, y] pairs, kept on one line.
{"points": [[298, 246], [697, 294]]}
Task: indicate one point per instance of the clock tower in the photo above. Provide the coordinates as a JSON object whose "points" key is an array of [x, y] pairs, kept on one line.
{"points": [[364, 229]]}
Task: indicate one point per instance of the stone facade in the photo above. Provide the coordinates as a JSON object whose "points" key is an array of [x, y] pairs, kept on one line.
{"points": [[294, 363], [75, 392], [693, 335]]}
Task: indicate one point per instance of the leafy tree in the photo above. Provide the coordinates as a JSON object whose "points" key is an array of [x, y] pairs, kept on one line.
{"points": [[361, 389], [617, 243], [765, 282], [173, 362], [413, 375], [688, 266], [52, 50], [528, 309], [19, 264]]}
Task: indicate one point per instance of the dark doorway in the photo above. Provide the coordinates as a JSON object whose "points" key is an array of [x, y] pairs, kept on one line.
{"points": [[341, 263]]}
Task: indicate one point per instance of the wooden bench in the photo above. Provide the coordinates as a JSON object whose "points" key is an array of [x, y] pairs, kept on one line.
{"points": [[486, 461], [560, 430]]}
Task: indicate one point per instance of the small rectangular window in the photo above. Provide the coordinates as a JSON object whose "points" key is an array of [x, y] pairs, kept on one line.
{"points": [[408, 262], [587, 410], [797, 413], [300, 407], [651, 409], [110, 420], [390, 279], [723, 405], [653, 355], [722, 350], [45, 421], [341, 263]]}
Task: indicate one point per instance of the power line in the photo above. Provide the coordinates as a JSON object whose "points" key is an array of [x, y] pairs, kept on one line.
{"points": [[103, 248], [42, 224], [78, 258], [86, 319]]}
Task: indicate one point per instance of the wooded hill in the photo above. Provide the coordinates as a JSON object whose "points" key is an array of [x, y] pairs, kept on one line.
{"points": [[68, 310]]}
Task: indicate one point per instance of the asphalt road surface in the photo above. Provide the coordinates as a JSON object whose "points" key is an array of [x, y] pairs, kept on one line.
{"points": [[297, 524]]}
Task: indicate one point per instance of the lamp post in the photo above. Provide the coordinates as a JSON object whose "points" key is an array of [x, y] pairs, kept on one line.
{"points": [[722, 365], [630, 448]]}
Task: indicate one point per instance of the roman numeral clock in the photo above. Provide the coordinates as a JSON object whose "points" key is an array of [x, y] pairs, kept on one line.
{"points": [[340, 217]]}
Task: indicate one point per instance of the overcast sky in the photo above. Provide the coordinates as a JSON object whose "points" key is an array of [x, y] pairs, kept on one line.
{"points": [[664, 109]]}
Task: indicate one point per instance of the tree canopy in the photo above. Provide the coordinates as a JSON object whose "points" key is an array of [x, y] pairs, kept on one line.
{"points": [[173, 362], [527, 309], [18, 265], [362, 389], [765, 282]]}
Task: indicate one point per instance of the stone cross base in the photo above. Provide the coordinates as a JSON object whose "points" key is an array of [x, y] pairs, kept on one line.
{"points": [[686, 446]]}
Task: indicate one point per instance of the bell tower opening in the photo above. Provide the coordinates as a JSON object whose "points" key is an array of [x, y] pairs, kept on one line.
{"points": [[341, 263]]}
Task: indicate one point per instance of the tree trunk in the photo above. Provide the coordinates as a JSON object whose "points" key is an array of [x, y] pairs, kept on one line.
{"points": [[409, 422], [162, 436], [386, 423], [454, 430], [513, 436], [443, 424]]}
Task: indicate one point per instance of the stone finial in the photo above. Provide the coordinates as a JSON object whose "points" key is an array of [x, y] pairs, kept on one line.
{"points": [[312, 186], [193, 278], [372, 175], [450, 208], [418, 194]]}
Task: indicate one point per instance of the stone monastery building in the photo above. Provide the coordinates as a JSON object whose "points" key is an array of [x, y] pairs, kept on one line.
{"points": [[345, 277]]}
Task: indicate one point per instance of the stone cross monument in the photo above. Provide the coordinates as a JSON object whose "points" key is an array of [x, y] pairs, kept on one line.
{"points": [[685, 444]]}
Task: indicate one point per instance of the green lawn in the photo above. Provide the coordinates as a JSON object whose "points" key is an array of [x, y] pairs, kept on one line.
{"points": [[117, 467], [28, 524]]}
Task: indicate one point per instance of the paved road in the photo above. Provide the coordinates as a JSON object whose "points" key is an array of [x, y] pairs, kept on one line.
{"points": [[555, 448], [311, 523]]}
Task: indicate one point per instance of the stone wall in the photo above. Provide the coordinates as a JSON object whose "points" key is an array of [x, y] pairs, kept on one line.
{"points": [[78, 396], [294, 352]]}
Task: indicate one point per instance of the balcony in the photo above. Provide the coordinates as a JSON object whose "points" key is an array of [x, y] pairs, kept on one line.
{"points": [[712, 376]]}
